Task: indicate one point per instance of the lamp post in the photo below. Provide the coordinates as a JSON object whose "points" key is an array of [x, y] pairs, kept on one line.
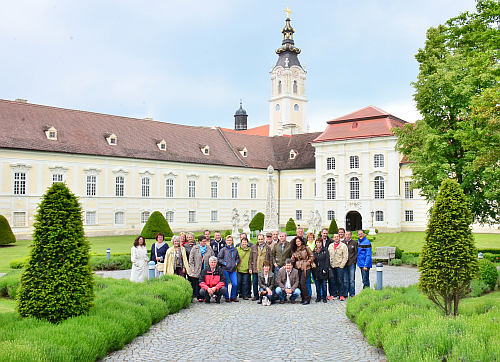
{"points": [[372, 229], [372, 213]]}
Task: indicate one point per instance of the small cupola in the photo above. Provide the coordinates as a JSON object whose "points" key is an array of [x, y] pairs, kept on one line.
{"points": [[240, 119]]}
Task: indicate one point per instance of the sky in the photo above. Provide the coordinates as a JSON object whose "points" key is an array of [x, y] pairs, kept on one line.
{"points": [[190, 62]]}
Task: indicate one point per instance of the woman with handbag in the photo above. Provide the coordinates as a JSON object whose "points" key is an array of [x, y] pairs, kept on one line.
{"points": [[311, 244], [139, 257], [158, 251], [321, 272], [303, 259], [176, 260], [243, 275]]}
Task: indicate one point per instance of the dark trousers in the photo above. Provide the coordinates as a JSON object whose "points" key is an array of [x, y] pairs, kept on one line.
{"points": [[365, 275], [320, 288], [336, 283], [178, 271], [218, 294], [350, 280], [255, 282], [303, 275], [244, 285], [195, 283], [271, 297]]}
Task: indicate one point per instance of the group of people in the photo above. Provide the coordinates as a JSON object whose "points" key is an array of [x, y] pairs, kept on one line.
{"points": [[269, 271]]}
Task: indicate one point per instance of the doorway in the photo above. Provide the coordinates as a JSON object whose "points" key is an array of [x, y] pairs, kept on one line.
{"points": [[353, 221]]}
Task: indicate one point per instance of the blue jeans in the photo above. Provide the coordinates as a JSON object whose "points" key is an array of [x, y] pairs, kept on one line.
{"points": [[271, 297], [282, 294], [350, 280], [320, 288], [337, 282], [276, 271], [231, 276], [244, 285], [308, 284], [255, 282], [365, 275]]}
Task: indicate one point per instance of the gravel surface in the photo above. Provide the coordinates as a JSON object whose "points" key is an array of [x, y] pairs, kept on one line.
{"points": [[248, 331]]}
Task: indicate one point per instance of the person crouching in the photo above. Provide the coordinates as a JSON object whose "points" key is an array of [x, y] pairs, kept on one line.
{"points": [[266, 285], [212, 282]]}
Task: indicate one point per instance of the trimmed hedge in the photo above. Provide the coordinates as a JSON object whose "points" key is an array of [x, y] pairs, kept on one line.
{"points": [[333, 229], [120, 262], [156, 224], [257, 222], [291, 228], [6, 234], [123, 310], [488, 273], [409, 327]]}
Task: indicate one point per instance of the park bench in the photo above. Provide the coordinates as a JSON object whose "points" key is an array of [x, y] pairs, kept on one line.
{"points": [[384, 252]]}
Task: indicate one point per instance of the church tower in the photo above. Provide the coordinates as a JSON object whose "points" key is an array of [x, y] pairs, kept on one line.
{"points": [[288, 103]]}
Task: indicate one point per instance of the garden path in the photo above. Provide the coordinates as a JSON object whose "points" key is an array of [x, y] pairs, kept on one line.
{"points": [[247, 331]]}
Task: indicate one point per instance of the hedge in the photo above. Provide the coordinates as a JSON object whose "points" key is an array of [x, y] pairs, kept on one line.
{"points": [[122, 311], [6, 234], [156, 224]]}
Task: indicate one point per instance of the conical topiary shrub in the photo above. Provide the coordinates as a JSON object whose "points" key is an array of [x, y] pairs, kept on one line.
{"points": [[448, 261], [333, 229], [6, 234], [291, 228], [58, 281], [156, 224], [257, 222]]}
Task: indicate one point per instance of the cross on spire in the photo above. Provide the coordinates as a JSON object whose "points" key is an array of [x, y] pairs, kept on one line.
{"points": [[288, 12]]}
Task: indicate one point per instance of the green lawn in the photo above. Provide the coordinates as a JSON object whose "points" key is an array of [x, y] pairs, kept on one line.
{"points": [[408, 241], [7, 305]]}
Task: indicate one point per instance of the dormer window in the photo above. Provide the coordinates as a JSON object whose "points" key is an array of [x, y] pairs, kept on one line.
{"points": [[293, 154], [205, 150], [112, 139], [162, 145], [243, 152], [51, 133]]}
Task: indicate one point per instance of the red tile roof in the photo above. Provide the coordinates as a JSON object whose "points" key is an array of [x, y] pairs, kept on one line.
{"points": [[256, 131], [365, 123]]}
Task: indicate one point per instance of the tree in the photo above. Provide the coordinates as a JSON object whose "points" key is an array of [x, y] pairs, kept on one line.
{"points": [[58, 281], [333, 229], [257, 222], [6, 234], [448, 261], [156, 224], [454, 93], [291, 228]]}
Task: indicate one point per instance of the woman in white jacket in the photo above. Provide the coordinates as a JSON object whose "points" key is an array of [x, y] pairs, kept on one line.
{"points": [[139, 257]]}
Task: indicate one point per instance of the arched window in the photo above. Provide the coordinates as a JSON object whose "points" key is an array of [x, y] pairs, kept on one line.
{"points": [[331, 192], [379, 216], [379, 187], [296, 107], [330, 163], [378, 160], [279, 87], [277, 107], [295, 87], [354, 186]]}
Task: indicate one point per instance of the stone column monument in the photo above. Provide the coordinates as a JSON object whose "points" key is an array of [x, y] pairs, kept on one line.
{"points": [[271, 216]]}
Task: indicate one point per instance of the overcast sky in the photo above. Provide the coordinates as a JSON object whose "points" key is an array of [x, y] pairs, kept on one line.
{"points": [[190, 62]]}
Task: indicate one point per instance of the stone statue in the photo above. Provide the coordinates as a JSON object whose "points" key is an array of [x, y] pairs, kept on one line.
{"points": [[246, 224], [271, 216], [235, 219], [317, 221], [311, 227]]}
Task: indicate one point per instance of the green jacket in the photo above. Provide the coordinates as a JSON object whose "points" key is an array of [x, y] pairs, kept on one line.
{"points": [[242, 266]]}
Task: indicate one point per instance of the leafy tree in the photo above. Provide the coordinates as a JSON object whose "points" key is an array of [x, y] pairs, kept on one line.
{"points": [[156, 224], [448, 261], [257, 222], [57, 283], [456, 93], [291, 228], [6, 234], [333, 229]]}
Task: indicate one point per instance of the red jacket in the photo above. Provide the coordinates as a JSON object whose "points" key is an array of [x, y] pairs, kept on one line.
{"points": [[209, 279]]}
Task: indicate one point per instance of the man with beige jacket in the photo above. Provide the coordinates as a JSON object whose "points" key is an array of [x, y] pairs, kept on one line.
{"points": [[338, 258]]}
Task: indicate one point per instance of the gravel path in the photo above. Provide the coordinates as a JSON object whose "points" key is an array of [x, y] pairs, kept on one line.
{"points": [[247, 331]]}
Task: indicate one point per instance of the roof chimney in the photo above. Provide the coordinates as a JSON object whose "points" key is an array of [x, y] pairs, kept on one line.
{"points": [[20, 100]]}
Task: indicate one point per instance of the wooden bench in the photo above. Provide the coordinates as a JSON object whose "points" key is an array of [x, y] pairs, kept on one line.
{"points": [[384, 252]]}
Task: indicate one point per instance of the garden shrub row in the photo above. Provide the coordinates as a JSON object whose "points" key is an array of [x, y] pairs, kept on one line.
{"points": [[409, 327], [122, 311], [97, 261]]}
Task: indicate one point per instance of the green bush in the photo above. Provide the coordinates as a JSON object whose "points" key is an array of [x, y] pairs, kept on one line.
{"points": [[121, 262], [291, 228], [122, 311], [478, 287], [399, 253], [396, 262], [227, 233], [57, 283], [156, 224], [494, 258], [333, 229], [488, 273], [257, 222], [19, 263], [9, 284], [492, 251], [6, 234]]}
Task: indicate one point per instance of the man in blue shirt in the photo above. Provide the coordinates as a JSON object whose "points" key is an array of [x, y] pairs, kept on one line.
{"points": [[364, 258]]}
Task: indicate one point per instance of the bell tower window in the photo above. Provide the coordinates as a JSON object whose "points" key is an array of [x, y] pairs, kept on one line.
{"points": [[294, 87], [279, 87]]}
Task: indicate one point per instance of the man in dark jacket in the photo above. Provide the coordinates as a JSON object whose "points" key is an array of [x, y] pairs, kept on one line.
{"points": [[212, 282], [281, 251], [350, 266], [258, 254], [266, 283], [364, 258], [288, 282], [228, 259], [217, 243]]}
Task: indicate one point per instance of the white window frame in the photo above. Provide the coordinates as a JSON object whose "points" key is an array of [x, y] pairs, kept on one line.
{"points": [[298, 191], [19, 219], [234, 190], [330, 163], [20, 183], [145, 216], [408, 190], [214, 216], [354, 162], [379, 216], [331, 189], [298, 215], [118, 215], [169, 188], [330, 215], [57, 177], [91, 185], [253, 213], [192, 188], [191, 216], [409, 216], [378, 160], [119, 186], [354, 188], [90, 217], [379, 186], [169, 216], [253, 190], [145, 187]]}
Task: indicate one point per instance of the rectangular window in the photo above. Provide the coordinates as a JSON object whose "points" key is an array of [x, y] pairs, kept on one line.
{"points": [[144, 217], [91, 185], [90, 218], [298, 191], [330, 215], [378, 160], [20, 183], [253, 213], [119, 186], [192, 216], [145, 187], [169, 216], [214, 216], [234, 190], [408, 190], [379, 216], [330, 163], [253, 190], [169, 187], [408, 215], [119, 217], [214, 189], [298, 215], [57, 178], [354, 162], [19, 219], [192, 188], [315, 189]]}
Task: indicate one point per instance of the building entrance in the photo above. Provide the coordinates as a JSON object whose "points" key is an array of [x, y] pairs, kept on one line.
{"points": [[353, 221]]}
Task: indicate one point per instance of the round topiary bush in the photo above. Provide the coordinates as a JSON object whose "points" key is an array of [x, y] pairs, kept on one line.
{"points": [[488, 273], [58, 281], [257, 222], [156, 224], [333, 229], [227, 233], [6, 234], [291, 228]]}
